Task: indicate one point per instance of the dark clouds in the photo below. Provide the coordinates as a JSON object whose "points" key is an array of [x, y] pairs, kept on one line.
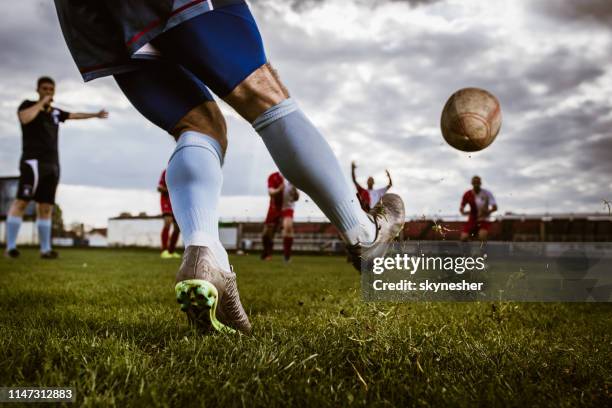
{"points": [[374, 84], [586, 11]]}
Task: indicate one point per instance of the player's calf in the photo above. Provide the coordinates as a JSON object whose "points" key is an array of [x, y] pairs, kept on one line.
{"points": [[287, 238]]}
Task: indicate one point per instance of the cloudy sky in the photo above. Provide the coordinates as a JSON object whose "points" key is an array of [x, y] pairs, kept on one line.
{"points": [[374, 76]]}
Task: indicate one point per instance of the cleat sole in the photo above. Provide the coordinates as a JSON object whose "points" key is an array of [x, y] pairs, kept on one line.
{"points": [[199, 300]]}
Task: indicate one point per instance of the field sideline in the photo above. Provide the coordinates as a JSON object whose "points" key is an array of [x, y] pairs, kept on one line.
{"points": [[106, 323]]}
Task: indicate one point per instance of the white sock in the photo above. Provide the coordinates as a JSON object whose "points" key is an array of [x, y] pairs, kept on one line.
{"points": [[306, 160], [12, 231], [194, 181], [44, 234]]}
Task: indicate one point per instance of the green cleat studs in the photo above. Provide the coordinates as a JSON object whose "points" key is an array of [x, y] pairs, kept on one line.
{"points": [[200, 298]]}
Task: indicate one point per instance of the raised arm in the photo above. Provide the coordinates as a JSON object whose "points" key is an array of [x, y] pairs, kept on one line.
{"points": [[390, 181], [29, 114], [353, 167], [102, 114], [295, 193]]}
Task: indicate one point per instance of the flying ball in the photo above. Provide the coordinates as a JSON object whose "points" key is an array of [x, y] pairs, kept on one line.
{"points": [[471, 119]]}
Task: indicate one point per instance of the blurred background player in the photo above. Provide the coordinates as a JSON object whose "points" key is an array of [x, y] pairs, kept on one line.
{"points": [[39, 165], [482, 204], [368, 198], [283, 196], [165, 55], [168, 241]]}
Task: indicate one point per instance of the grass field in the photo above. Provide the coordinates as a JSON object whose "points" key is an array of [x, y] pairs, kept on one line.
{"points": [[106, 323]]}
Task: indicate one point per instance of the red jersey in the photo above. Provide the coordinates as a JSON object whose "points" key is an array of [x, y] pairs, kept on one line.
{"points": [[369, 198], [162, 183], [275, 180], [478, 203]]}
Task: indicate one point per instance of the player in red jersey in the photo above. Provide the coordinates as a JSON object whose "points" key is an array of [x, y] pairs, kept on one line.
{"points": [[368, 198], [168, 241], [283, 196], [482, 204]]}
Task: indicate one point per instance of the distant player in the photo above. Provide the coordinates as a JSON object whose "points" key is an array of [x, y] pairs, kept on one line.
{"points": [[39, 165], [482, 204], [368, 198], [168, 242], [283, 196]]}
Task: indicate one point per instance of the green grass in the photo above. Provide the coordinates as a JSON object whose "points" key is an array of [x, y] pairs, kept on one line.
{"points": [[106, 323]]}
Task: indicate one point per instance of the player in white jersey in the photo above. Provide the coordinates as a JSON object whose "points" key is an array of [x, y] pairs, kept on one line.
{"points": [[482, 204], [368, 198]]}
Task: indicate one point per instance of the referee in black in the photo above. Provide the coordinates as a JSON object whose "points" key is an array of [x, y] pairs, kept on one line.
{"points": [[39, 165]]}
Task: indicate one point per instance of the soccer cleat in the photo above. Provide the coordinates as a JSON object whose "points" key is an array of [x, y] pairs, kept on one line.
{"points": [[175, 255], [165, 254], [49, 255], [389, 217], [12, 253], [208, 294]]}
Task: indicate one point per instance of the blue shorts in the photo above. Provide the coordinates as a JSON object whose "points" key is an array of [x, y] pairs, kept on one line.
{"points": [[215, 50]]}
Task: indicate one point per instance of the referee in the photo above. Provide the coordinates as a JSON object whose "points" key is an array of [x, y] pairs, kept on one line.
{"points": [[39, 165]]}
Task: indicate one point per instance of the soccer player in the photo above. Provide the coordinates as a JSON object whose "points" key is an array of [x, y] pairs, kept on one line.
{"points": [[368, 198], [283, 196], [482, 204], [39, 165], [168, 241], [165, 55]]}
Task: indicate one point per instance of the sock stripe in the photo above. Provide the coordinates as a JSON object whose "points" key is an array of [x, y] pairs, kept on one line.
{"points": [[275, 113], [195, 139]]}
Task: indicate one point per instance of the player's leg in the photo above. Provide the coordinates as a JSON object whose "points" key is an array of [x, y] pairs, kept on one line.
{"points": [[176, 231], [468, 229], [165, 234], [233, 64], [483, 231], [13, 224], [28, 183], [45, 201], [173, 99], [288, 236], [44, 212], [177, 102], [267, 236], [267, 241]]}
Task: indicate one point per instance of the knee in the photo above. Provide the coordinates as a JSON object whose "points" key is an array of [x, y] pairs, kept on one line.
{"points": [[44, 210], [288, 229], [207, 119], [257, 93], [18, 208]]}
